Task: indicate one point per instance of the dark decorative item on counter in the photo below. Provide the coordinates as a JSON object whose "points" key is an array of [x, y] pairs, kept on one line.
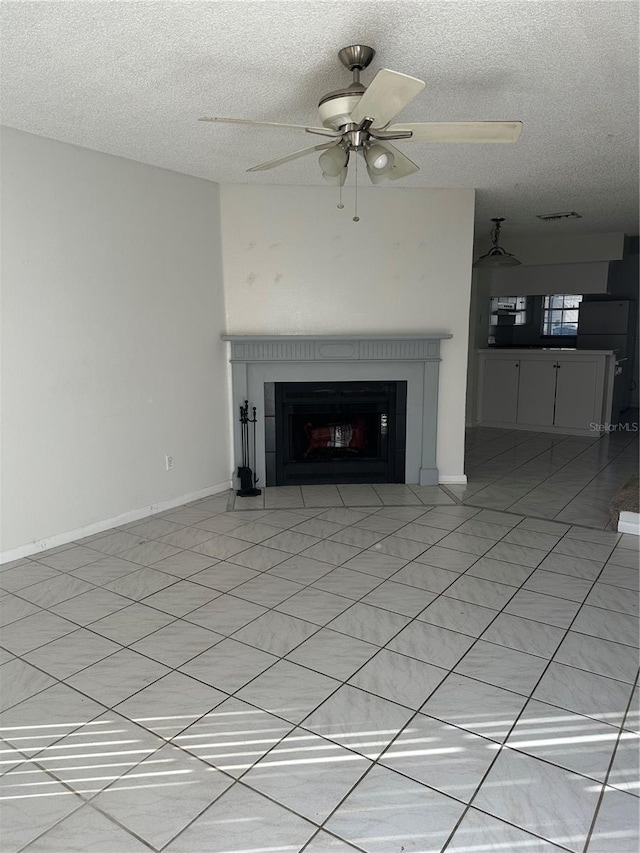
{"points": [[247, 477]]}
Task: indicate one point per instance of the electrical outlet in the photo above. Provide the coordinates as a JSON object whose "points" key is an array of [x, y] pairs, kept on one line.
{"points": [[170, 462]]}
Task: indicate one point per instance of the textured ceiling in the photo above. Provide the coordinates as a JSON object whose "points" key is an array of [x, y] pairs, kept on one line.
{"points": [[131, 79]]}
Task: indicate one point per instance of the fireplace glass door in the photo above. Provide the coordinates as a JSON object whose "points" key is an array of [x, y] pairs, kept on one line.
{"points": [[336, 432]]}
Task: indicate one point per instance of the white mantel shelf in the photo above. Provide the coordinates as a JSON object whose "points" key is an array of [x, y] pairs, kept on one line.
{"points": [[253, 348], [259, 359]]}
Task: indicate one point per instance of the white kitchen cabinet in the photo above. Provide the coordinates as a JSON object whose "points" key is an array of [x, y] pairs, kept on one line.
{"points": [[576, 390], [536, 400], [500, 400], [550, 390]]}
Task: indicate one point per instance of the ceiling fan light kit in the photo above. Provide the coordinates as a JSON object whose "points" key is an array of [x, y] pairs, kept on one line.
{"points": [[357, 118], [496, 256], [333, 161], [378, 159]]}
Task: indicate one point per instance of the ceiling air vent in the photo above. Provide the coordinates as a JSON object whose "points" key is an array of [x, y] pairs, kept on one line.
{"points": [[553, 217]]}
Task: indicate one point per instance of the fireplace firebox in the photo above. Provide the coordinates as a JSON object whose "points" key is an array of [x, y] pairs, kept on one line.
{"points": [[335, 432]]}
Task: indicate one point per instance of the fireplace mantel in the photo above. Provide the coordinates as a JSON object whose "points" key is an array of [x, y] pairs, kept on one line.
{"points": [[259, 359], [251, 348]]}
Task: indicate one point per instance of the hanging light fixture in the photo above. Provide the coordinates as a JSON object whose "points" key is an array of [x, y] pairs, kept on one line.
{"points": [[496, 256]]}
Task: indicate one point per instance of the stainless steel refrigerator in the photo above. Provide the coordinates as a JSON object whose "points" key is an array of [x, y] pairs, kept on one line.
{"points": [[606, 323]]}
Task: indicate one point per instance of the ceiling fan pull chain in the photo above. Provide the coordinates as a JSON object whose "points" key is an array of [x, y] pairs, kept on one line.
{"points": [[356, 218]]}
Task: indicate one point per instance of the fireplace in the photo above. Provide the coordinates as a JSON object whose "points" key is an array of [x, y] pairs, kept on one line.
{"points": [[335, 432], [406, 364]]}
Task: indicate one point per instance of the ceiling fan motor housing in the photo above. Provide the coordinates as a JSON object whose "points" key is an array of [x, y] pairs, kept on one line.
{"points": [[335, 108]]}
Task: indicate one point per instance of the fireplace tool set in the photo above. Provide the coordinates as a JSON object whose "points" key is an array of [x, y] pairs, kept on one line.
{"points": [[247, 477]]}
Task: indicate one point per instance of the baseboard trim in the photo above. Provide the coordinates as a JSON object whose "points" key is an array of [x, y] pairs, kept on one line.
{"points": [[39, 545], [453, 479], [629, 522]]}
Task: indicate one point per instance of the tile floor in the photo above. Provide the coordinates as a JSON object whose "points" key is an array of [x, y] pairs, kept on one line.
{"points": [[562, 477], [387, 678]]}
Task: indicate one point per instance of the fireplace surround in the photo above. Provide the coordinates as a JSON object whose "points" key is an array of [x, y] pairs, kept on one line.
{"points": [[413, 360]]}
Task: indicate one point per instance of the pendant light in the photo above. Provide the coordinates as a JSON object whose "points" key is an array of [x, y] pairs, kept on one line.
{"points": [[496, 256]]}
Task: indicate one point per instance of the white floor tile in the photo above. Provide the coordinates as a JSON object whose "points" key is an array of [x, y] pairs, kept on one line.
{"points": [[388, 812], [358, 721], [131, 623], [399, 598], [564, 738], [369, 623], [441, 756], [225, 614], [602, 656], [333, 654], [457, 615], [32, 802], [98, 753], [431, 644], [117, 677], [540, 798], [616, 828], [229, 665], [481, 833], [87, 829], [624, 770], [171, 704], [240, 821], [232, 736], [162, 794], [71, 653], [307, 773], [315, 605], [20, 681], [584, 692], [288, 690], [524, 635], [476, 706], [34, 631], [41, 720], [177, 643], [502, 667], [323, 842]]}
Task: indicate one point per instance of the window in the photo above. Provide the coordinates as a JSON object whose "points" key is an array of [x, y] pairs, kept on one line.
{"points": [[560, 314], [509, 306]]}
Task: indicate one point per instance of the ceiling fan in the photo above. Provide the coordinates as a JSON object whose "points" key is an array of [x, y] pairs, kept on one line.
{"points": [[357, 120]]}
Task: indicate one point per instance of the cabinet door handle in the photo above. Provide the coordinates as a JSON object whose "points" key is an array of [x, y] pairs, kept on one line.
{"points": [[517, 364]]}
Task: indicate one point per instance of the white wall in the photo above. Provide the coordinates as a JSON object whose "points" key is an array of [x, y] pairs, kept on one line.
{"points": [[294, 264], [479, 322], [558, 246], [112, 314], [546, 279]]}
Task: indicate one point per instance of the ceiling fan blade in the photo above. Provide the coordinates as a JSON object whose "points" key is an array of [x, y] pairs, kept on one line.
{"points": [[461, 131], [323, 131], [271, 164], [388, 93]]}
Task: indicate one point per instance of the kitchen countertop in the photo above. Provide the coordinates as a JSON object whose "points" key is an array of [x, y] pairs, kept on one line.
{"points": [[532, 349]]}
